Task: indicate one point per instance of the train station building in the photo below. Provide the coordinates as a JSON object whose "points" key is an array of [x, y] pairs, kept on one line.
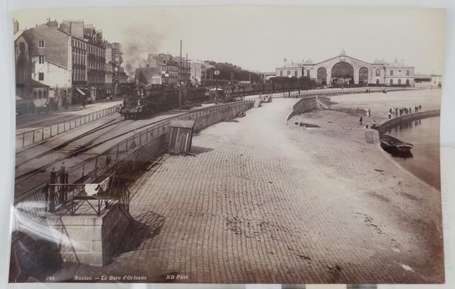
{"points": [[347, 70]]}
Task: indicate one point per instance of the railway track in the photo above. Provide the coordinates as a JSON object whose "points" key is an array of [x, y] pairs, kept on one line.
{"points": [[33, 172], [103, 126]]}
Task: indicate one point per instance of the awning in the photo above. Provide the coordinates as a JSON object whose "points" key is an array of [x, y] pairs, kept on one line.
{"points": [[80, 91]]}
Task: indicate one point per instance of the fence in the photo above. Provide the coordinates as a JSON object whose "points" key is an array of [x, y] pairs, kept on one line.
{"points": [[132, 152], [31, 137]]}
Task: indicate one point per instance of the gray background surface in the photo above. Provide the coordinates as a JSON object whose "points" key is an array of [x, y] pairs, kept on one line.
{"points": [[7, 116]]}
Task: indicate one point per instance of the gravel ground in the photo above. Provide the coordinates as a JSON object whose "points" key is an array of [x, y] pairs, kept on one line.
{"points": [[263, 200]]}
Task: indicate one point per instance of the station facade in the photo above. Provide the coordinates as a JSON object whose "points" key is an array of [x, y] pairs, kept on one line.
{"points": [[347, 70]]}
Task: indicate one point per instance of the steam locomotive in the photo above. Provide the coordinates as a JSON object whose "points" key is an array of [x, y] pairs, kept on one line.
{"points": [[143, 102]]}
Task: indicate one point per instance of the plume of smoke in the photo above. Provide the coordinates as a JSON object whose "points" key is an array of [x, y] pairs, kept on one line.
{"points": [[139, 43]]}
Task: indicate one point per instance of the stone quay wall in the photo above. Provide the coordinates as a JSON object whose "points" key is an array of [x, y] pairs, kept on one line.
{"points": [[385, 126]]}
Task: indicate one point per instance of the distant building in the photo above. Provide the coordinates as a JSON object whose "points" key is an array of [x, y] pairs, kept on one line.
{"points": [[96, 60], [347, 70], [119, 76], [197, 69], [168, 69], [185, 69], [428, 80], [165, 67], [436, 80], [108, 69]]}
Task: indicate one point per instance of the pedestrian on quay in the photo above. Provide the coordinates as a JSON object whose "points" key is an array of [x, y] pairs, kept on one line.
{"points": [[420, 107], [390, 115], [369, 112], [361, 120]]}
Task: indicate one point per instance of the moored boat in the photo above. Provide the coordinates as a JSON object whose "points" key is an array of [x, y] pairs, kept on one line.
{"points": [[396, 147]]}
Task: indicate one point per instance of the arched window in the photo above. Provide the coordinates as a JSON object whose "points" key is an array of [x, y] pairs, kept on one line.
{"points": [[363, 75], [399, 81], [322, 75], [377, 81], [407, 82], [378, 72], [391, 81]]}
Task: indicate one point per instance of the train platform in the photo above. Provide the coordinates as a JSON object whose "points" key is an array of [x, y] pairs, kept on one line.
{"points": [[262, 200]]}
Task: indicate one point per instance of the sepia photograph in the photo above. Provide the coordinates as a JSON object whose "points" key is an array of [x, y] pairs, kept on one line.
{"points": [[228, 144]]}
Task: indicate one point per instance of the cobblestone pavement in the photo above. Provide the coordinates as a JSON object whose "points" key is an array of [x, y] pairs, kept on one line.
{"points": [[262, 201]]}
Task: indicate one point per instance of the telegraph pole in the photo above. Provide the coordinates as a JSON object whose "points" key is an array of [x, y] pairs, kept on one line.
{"points": [[180, 76]]}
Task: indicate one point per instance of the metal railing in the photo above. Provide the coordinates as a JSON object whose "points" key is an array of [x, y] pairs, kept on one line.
{"points": [[135, 150], [28, 138]]}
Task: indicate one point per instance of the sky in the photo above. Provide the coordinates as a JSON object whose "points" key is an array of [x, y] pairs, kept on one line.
{"points": [[260, 37]]}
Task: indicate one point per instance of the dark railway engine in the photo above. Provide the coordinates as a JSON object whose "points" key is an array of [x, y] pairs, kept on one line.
{"points": [[145, 101]]}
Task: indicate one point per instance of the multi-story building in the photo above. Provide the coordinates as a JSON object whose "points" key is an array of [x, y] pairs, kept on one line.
{"points": [[196, 69], [118, 72], [44, 57], [167, 68], [185, 69], [428, 80], [69, 58], [108, 69], [347, 70]]}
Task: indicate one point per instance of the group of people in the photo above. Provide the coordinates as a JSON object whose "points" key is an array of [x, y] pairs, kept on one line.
{"points": [[399, 111]]}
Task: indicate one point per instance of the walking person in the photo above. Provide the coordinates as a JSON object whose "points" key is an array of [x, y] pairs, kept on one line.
{"points": [[361, 120]]}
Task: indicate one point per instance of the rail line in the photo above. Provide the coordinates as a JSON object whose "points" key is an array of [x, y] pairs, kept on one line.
{"points": [[90, 158], [87, 145], [66, 143]]}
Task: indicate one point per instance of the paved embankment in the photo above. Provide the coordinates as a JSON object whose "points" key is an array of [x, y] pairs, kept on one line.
{"points": [[263, 200]]}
